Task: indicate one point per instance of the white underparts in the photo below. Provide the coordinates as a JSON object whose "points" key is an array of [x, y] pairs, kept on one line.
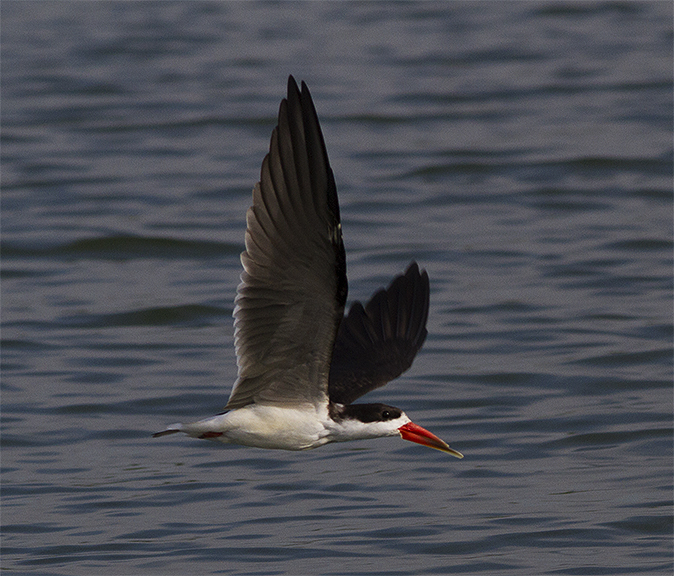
{"points": [[286, 428]]}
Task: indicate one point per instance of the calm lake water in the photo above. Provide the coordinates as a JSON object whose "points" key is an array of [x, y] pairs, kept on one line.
{"points": [[520, 152]]}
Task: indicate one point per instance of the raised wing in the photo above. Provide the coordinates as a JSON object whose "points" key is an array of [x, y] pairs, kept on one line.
{"points": [[378, 343], [293, 287]]}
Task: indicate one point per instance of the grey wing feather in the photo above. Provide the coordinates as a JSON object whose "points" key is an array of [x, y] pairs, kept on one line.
{"points": [[378, 342], [293, 287]]}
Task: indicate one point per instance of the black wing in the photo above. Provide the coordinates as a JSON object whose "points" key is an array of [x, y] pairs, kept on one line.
{"points": [[293, 287], [378, 343]]}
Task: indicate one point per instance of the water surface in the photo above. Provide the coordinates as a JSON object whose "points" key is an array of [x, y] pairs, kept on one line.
{"points": [[520, 152]]}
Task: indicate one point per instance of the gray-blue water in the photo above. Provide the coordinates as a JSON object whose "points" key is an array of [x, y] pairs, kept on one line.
{"points": [[520, 152]]}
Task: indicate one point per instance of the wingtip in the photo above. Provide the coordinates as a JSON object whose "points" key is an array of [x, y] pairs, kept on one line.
{"points": [[413, 269], [295, 88], [292, 85]]}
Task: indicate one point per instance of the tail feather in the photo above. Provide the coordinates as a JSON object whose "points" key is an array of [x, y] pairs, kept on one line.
{"points": [[172, 429]]}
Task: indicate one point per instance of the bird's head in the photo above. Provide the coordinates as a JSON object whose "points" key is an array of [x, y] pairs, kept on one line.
{"points": [[362, 421]]}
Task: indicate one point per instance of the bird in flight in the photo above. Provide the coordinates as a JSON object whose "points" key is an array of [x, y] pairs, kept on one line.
{"points": [[301, 361]]}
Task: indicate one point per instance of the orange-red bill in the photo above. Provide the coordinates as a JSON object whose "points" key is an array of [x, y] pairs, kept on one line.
{"points": [[417, 434]]}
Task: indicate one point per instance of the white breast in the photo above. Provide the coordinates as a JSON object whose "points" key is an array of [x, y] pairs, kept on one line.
{"points": [[264, 426]]}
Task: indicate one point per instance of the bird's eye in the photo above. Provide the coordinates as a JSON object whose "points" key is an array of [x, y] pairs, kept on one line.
{"points": [[386, 414]]}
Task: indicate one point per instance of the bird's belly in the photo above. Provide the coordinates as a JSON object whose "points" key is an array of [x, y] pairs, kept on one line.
{"points": [[269, 427]]}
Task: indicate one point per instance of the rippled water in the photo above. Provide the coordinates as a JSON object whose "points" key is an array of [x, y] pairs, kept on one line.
{"points": [[521, 152]]}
